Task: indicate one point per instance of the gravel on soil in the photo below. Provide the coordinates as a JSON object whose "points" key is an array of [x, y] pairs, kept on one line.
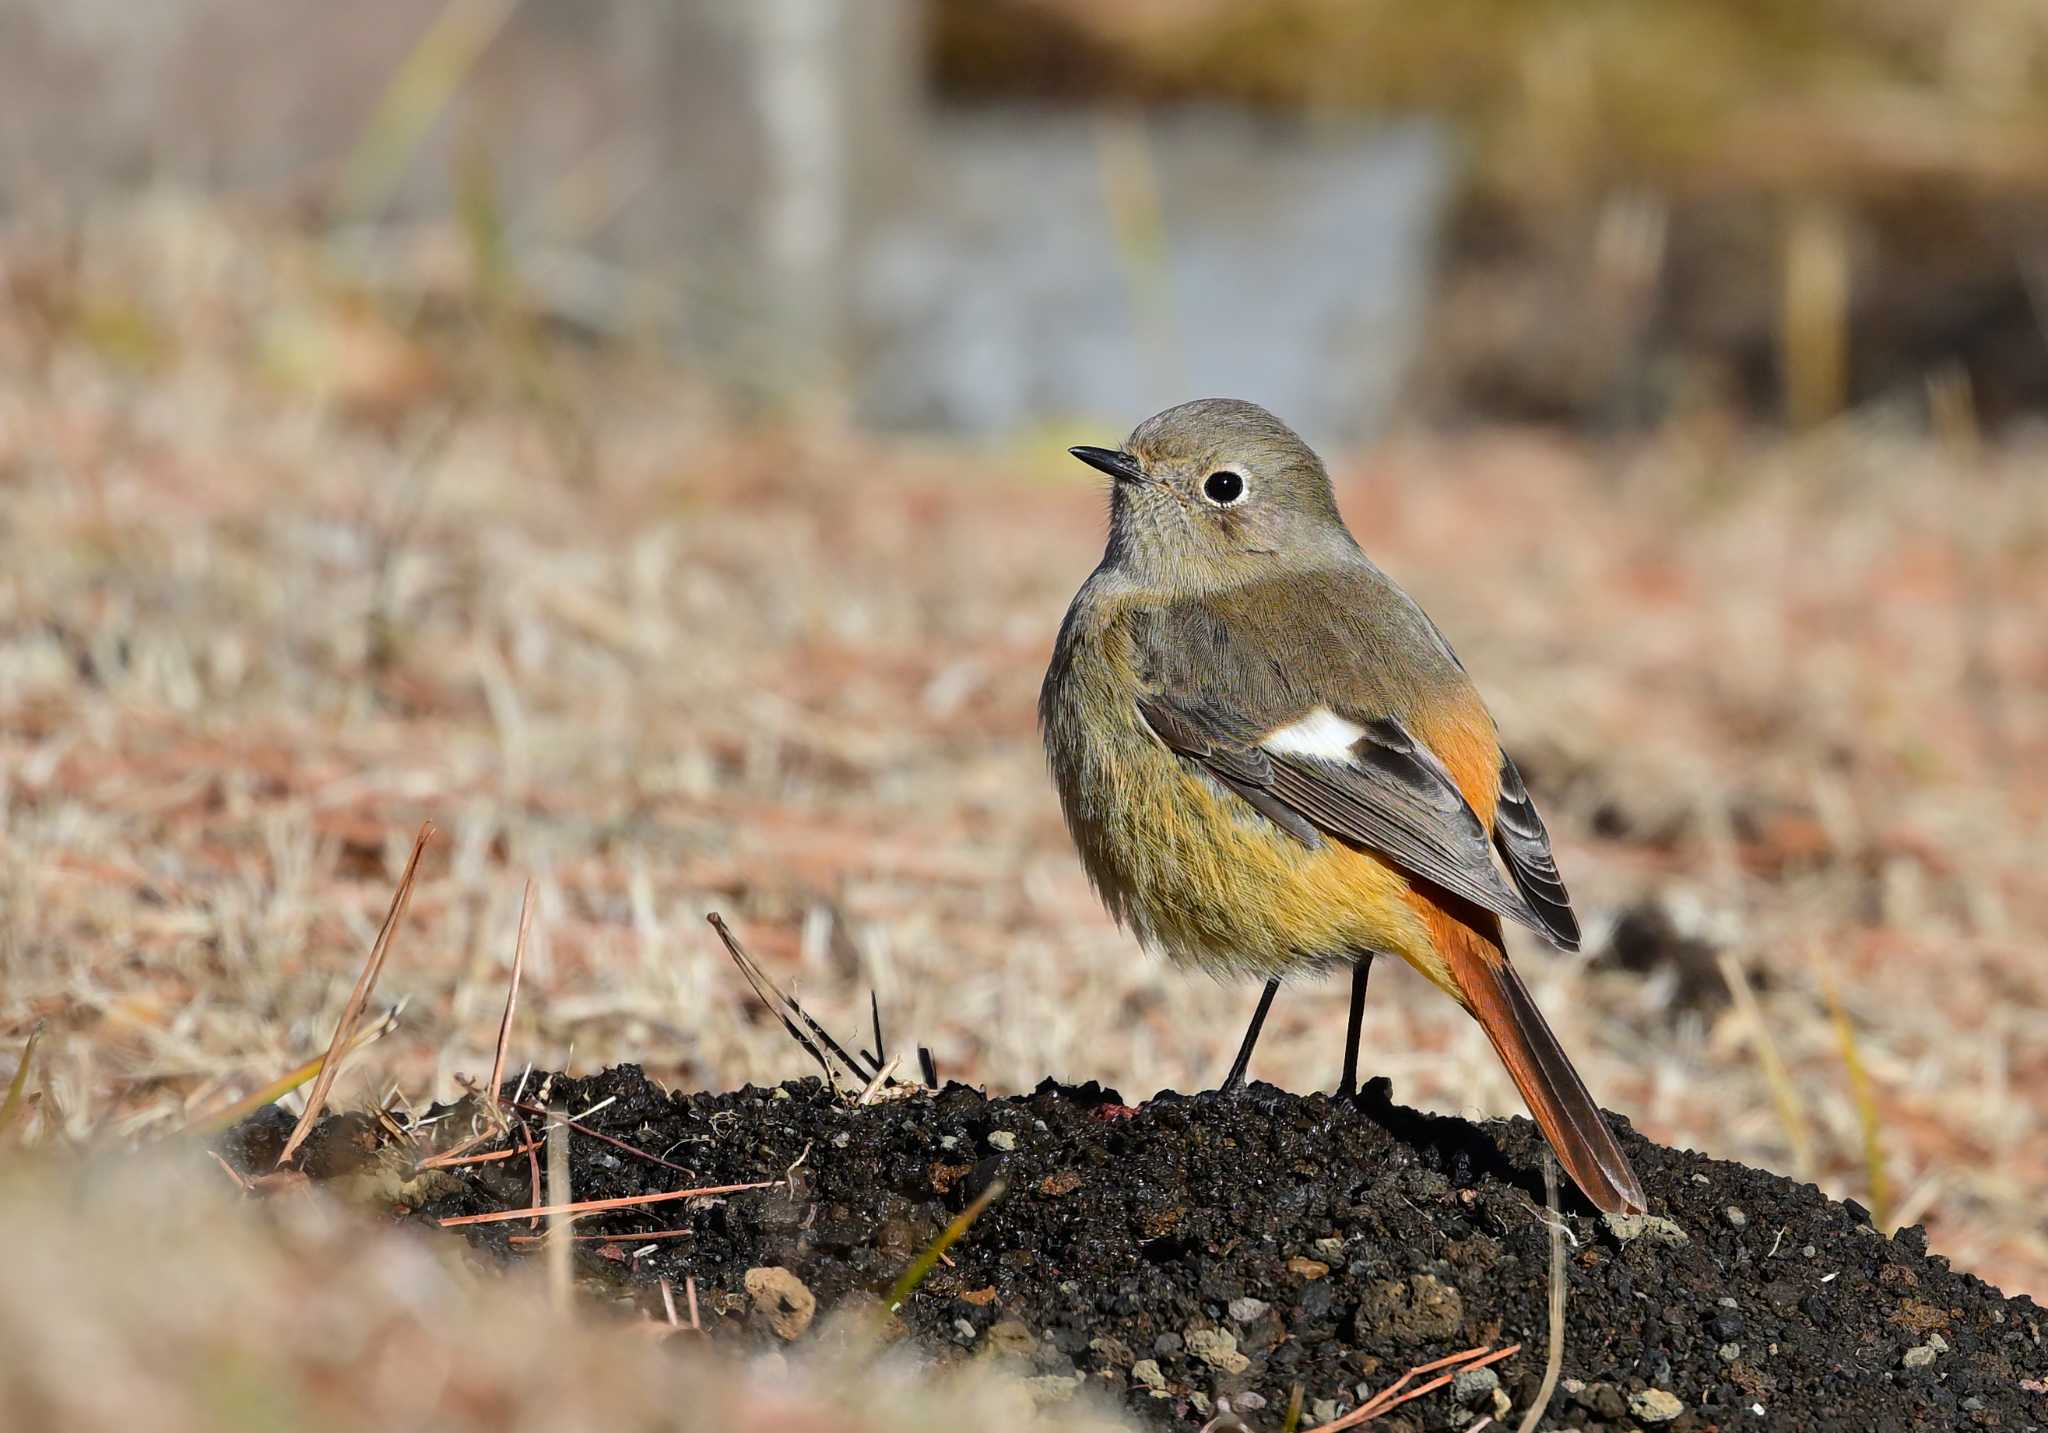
{"points": [[1214, 1251]]}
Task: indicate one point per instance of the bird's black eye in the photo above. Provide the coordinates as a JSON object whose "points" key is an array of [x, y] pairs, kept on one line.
{"points": [[1223, 487]]}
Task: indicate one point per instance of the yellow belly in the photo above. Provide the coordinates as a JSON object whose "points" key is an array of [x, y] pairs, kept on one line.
{"points": [[1201, 876]]}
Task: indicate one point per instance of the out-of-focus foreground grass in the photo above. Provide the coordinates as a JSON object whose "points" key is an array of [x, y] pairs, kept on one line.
{"points": [[139, 1296], [287, 565]]}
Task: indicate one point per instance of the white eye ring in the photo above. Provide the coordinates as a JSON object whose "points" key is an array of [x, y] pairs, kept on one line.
{"points": [[1226, 487]]}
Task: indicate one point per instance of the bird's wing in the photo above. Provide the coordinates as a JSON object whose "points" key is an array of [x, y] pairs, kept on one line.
{"points": [[1307, 729], [1525, 845], [1368, 782]]}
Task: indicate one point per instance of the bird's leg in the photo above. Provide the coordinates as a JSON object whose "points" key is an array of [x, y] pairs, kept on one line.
{"points": [[1251, 1037], [1360, 969]]}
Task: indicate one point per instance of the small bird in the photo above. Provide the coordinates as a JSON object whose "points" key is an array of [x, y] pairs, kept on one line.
{"points": [[1273, 763]]}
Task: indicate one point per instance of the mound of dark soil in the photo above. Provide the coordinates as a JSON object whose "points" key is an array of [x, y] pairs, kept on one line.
{"points": [[1216, 1247]]}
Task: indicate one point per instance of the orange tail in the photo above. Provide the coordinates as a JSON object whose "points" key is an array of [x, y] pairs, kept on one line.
{"points": [[1551, 1088]]}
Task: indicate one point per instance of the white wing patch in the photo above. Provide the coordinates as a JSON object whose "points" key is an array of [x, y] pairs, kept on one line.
{"points": [[1321, 734]]}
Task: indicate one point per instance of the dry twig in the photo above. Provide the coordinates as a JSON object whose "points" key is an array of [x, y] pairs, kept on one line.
{"points": [[366, 982], [1553, 1363], [785, 1006], [602, 1138], [594, 1206], [559, 1193], [512, 991], [1398, 1392], [17, 1088]]}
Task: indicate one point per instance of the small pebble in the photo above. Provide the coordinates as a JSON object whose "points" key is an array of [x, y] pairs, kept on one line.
{"points": [[1324, 1410], [1146, 1371], [1474, 1386], [1243, 1311], [781, 1300], [1113, 1351], [1168, 1344], [1002, 1139], [1809, 1251], [1918, 1356], [1011, 1338], [1052, 1387], [1328, 1250], [1730, 1352], [1218, 1349], [963, 1330], [1246, 1402], [1654, 1405], [1654, 1227], [1735, 1217]]}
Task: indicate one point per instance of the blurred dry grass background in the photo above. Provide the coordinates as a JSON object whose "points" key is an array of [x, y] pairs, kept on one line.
{"points": [[1782, 699], [1789, 207], [298, 550]]}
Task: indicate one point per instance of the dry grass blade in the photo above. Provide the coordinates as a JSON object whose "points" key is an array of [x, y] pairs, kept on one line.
{"points": [[598, 1206], [344, 1029], [885, 1075], [602, 1138], [881, 1053], [761, 988], [452, 1160], [785, 1006], [560, 1197], [17, 1088], [241, 1182], [922, 1266], [1553, 1362], [1866, 1103], [1784, 1094], [418, 94], [284, 1084], [645, 1237], [532, 1166], [512, 992], [1398, 1392]]}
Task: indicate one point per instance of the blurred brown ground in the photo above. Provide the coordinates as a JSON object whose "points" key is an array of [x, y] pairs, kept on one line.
{"points": [[282, 575]]}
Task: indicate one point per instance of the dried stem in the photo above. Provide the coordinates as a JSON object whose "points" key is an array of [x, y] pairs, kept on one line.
{"points": [[512, 992], [366, 982], [597, 1206]]}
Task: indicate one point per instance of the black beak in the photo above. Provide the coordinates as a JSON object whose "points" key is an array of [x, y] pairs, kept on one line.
{"points": [[1121, 466]]}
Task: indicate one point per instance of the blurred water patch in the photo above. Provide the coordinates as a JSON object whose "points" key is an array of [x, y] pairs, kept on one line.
{"points": [[1062, 264]]}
